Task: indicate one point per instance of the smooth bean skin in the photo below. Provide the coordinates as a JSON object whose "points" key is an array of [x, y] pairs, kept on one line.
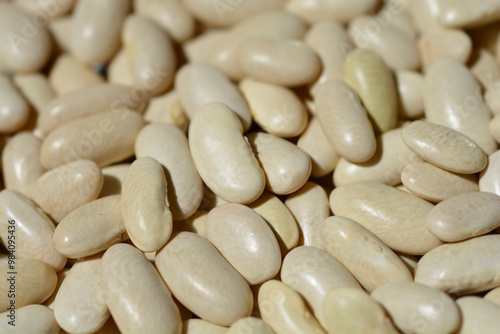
{"points": [[245, 240], [104, 138], [144, 205], [370, 261], [95, 31], [168, 109], [21, 162], [464, 216], [199, 326], [410, 85], [33, 229], [444, 147], [416, 308], [478, 315], [489, 179], [35, 88], [34, 282], [36, 319], [15, 109], [493, 296], [91, 228], [202, 280], [119, 71], [283, 309], [344, 121], [169, 146], [130, 282], [437, 43], [70, 185], [394, 216], [467, 13], [222, 155], [78, 307], [319, 10], [312, 272], [342, 303], [463, 267]]}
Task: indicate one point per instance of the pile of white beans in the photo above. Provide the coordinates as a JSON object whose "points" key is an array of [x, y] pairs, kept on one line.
{"points": [[250, 166]]}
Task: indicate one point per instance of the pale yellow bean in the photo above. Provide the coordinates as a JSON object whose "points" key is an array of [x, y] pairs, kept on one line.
{"points": [[15, 109], [70, 186], [113, 179], [30, 319], [35, 88], [424, 14], [167, 109], [222, 155], [119, 71], [489, 178], [61, 276], [463, 267], [21, 162], [250, 325], [145, 206], [438, 43], [312, 272], [203, 281], [79, 306], [91, 228], [284, 311], [493, 296], [135, 294], [416, 308], [61, 31], [410, 88], [370, 261], [32, 229], [200, 48], [344, 121], [467, 13], [479, 316], [394, 216], [169, 146], [104, 138], [485, 68], [46, 9], [150, 54], [309, 206], [350, 310], [277, 110], [320, 10], [199, 326]]}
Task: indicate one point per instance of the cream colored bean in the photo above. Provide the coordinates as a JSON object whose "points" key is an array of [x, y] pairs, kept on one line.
{"points": [[370, 77], [169, 146], [331, 42], [200, 48], [386, 165], [15, 109], [485, 68], [250, 325], [416, 308], [30, 319], [314, 142], [341, 304], [61, 276], [104, 138], [61, 31], [202, 280], [222, 155], [284, 310], [198, 84], [49, 9], [400, 18], [167, 109], [478, 316], [394, 216], [229, 13], [424, 14], [95, 33], [195, 223], [276, 109], [410, 88], [370, 261], [75, 105], [444, 147], [33, 229], [467, 13], [275, 23], [438, 43], [274, 60], [150, 54], [33, 283], [170, 15], [409, 260], [145, 206], [113, 179], [79, 306], [493, 296], [286, 166], [21, 162], [320, 10], [279, 219], [91, 228], [35, 88], [463, 267], [245, 240], [309, 206], [489, 178], [129, 283], [119, 72], [26, 44], [312, 273], [344, 121], [464, 216], [396, 49], [70, 186], [199, 326], [452, 98], [435, 184], [69, 74]]}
